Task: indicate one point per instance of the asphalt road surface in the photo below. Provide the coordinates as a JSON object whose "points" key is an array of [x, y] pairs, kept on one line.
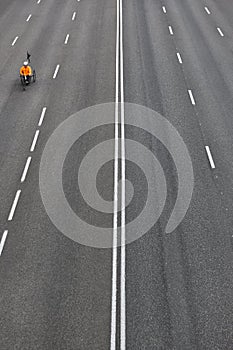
{"points": [[157, 290]]}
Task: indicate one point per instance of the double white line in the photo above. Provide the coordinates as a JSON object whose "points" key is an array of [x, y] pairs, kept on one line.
{"points": [[119, 102]]}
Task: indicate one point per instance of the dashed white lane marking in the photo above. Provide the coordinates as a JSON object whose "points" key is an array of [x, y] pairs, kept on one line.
{"points": [[56, 71], [171, 30], [164, 9], [210, 157], [191, 97], [220, 31], [14, 205], [34, 141], [207, 10], [28, 19], [42, 116], [27, 165], [74, 15], [66, 39], [179, 57], [3, 240], [14, 41], [38, 1]]}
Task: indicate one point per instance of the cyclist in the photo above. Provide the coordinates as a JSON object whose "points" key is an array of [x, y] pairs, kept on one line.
{"points": [[26, 72]]}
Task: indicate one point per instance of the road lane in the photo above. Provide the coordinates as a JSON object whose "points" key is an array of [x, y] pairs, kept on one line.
{"points": [[208, 61], [19, 111], [178, 285], [62, 289], [221, 13]]}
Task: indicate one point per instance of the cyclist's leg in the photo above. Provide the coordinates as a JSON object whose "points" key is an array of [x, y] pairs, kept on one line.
{"points": [[23, 81], [22, 78]]}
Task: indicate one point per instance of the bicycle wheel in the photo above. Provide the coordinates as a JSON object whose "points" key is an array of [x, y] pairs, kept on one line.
{"points": [[23, 83], [34, 76]]}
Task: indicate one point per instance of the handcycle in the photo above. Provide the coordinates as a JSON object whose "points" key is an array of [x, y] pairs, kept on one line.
{"points": [[27, 80]]}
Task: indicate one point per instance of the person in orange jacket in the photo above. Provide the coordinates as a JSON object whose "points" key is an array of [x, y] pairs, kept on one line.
{"points": [[26, 72]]}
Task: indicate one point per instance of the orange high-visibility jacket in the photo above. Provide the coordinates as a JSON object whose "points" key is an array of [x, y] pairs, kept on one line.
{"points": [[25, 70]]}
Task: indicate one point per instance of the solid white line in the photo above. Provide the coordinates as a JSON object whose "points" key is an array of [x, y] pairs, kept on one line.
{"points": [[56, 71], [26, 169], [38, 1], [210, 157], [42, 116], [170, 30], [34, 141], [74, 15], [28, 19], [14, 205], [66, 39], [220, 31], [164, 9], [207, 10], [114, 249], [119, 49], [179, 57], [191, 97], [123, 241], [14, 41], [3, 240]]}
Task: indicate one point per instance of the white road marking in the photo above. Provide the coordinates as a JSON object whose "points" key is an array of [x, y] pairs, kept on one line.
{"points": [[3, 240], [123, 241], [119, 65], [191, 97], [207, 10], [74, 15], [220, 31], [14, 41], [27, 165], [14, 205], [66, 39], [179, 57], [56, 71], [170, 30], [210, 157], [28, 19], [42, 116], [38, 1], [164, 9], [115, 230], [34, 141]]}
